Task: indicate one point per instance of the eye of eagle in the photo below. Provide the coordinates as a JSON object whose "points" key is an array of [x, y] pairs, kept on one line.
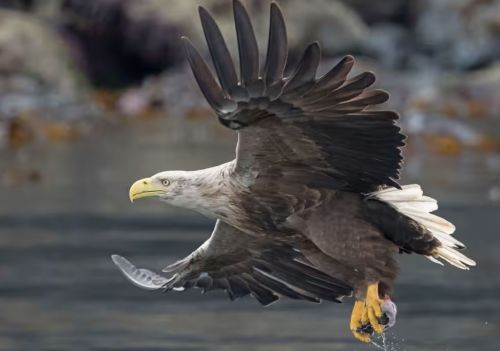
{"points": [[165, 182]]}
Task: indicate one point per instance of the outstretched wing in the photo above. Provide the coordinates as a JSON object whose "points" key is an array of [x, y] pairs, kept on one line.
{"points": [[320, 129], [241, 265]]}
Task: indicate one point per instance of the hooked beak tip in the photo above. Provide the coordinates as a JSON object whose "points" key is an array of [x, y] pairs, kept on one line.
{"points": [[139, 189]]}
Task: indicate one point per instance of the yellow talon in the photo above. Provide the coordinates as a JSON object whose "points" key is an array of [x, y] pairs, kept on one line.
{"points": [[367, 312], [372, 304], [364, 319], [359, 317]]}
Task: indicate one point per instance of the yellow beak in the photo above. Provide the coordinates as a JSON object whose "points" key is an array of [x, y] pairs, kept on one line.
{"points": [[143, 188]]}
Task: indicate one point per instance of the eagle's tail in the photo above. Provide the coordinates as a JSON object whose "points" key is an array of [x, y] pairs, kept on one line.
{"points": [[411, 202]]}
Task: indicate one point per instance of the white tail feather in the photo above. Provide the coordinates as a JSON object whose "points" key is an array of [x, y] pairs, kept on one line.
{"points": [[432, 259], [411, 202]]}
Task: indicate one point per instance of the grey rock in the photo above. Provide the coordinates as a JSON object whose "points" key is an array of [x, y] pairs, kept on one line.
{"points": [[462, 34], [31, 48]]}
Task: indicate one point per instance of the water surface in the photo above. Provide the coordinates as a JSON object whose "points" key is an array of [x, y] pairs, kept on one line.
{"points": [[60, 291]]}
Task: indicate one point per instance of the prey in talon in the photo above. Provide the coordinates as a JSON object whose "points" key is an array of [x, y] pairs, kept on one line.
{"points": [[381, 316], [310, 208]]}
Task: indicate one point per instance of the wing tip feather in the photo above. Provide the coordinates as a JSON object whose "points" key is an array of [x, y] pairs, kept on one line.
{"points": [[202, 10], [349, 58]]}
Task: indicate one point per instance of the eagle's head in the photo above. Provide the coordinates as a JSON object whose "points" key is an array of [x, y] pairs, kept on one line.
{"points": [[202, 190], [178, 188]]}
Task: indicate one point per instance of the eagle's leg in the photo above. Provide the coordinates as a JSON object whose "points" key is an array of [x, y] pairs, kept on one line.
{"points": [[373, 305], [371, 315], [359, 318]]}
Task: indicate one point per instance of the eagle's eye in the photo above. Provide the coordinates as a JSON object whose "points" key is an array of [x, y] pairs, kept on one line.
{"points": [[165, 182]]}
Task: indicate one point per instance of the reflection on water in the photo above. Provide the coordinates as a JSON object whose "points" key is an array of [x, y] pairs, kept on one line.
{"points": [[59, 289]]}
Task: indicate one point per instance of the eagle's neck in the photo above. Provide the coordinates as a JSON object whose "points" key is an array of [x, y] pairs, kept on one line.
{"points": [[209, 191]]}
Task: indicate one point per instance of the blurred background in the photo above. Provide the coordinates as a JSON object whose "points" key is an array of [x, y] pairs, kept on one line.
{"points": [[95, 94]]}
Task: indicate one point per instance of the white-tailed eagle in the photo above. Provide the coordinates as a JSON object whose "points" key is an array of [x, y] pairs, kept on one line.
{"points": [[310, 208]]}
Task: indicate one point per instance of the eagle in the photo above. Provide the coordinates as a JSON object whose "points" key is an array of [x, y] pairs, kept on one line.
{"points": [[310, 208]]}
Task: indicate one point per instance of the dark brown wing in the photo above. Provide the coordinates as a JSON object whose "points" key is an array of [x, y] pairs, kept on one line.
{"points": [[242, 265], [318, 128]]}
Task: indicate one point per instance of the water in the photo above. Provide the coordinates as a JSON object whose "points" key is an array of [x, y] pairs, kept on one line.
{"points": [[59, 289]]}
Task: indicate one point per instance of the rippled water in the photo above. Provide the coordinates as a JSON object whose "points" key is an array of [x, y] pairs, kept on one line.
{"points": [[59, 289]]}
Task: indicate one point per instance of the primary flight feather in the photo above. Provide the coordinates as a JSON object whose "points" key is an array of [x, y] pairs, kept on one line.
{"points": [[310, 208]]}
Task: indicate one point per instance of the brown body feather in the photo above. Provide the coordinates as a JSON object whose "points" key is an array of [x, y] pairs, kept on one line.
{"points": [[296, 201], [331, 228], [308, 148]]}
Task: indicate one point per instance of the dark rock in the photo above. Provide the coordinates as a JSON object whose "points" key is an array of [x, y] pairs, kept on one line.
{"points": [[375, 11], [115, 47]]}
